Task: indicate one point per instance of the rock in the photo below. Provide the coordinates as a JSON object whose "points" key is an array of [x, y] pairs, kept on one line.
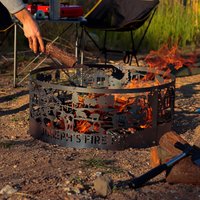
{"points": [[76, 190], [66, 189], [103, 186], [80, 186], [97, 174], [8, 190]]}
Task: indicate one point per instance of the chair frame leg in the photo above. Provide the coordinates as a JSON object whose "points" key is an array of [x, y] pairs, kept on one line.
{"points": [[104, 48], [134, 50]]}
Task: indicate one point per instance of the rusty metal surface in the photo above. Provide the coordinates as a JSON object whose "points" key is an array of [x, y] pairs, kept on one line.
{"points": [[93, 107]]}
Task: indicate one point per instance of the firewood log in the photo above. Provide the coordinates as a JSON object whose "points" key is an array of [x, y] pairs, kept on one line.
{"points": [[185, 171], [65, 58], [168, 140], [154, 157], [166, 149]]}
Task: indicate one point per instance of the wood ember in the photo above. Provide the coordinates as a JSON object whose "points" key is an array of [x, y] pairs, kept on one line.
{"points": [[185, 171], [65, 58]]}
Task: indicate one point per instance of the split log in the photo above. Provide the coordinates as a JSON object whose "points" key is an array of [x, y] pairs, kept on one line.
{"points": [[185, 171], [154, 157], [166, 149], [62, 56], [168, 140]]}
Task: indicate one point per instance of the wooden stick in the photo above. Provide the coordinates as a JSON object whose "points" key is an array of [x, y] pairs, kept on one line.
{"points": [[65, 58]]}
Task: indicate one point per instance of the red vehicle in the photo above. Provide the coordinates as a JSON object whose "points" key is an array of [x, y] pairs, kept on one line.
{"points": [[66, 11]]}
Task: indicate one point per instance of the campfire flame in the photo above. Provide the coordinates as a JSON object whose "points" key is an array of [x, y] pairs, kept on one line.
{"points": [[83, 126], [165, 59]]}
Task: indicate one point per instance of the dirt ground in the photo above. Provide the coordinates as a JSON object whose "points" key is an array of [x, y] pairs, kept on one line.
{"points": [[38, 170]]}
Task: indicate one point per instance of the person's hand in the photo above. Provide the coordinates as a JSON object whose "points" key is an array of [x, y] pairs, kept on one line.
{"points": [[31, 30]]}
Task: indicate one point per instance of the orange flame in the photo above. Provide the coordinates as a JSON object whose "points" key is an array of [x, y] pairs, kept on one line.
{"points": [[83, 126], [164, 57]]}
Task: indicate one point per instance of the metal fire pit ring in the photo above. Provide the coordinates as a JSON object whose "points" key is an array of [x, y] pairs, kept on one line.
{"points": [[56, 108]]}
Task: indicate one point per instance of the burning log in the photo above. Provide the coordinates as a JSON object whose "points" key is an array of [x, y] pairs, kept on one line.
{"points": [[65, 58], [185, 171]]}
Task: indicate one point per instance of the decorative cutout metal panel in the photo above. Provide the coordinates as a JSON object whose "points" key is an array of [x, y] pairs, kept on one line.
{"points": [[100, 106]]}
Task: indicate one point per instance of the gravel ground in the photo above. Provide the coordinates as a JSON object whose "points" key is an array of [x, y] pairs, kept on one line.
{"points": [[37, 170]]}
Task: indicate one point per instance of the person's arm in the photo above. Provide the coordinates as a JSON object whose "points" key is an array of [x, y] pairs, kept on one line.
{"points": [[30, 27], [31, 30]]}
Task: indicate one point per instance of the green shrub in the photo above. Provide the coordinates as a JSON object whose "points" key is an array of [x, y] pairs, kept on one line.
{"points": [[173, 23]]}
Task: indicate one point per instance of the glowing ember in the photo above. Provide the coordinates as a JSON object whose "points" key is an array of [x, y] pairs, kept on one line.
{"points": [[83, 126]]}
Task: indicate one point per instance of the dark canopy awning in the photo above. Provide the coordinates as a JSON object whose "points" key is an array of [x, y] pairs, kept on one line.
{"points": [[120, 14]]}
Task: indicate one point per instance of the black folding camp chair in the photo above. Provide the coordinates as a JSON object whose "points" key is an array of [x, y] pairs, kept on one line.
{"points": [[120, 16]]}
